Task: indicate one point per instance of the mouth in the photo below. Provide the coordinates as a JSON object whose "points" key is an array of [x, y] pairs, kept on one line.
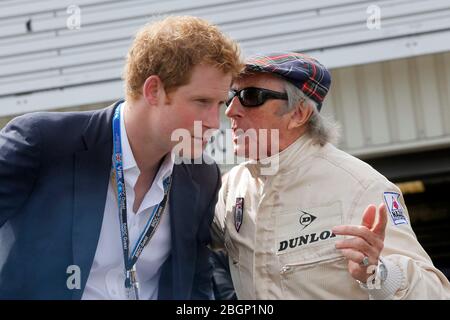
{"points": [[203, 140], [237, 130], [236, 133]]}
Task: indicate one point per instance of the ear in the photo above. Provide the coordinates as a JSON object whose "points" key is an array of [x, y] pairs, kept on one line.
{"points": [[153, 90], [300, 115]]}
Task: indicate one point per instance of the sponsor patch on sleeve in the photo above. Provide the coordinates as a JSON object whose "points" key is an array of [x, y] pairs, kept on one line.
{"points": [[396, 211]]}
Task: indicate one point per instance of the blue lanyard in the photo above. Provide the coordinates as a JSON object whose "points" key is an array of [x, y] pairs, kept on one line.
{"points": [[153, 222]]}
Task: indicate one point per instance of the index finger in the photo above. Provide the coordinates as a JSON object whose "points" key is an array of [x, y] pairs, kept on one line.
{"points": [[380, 226], [356, 231]]}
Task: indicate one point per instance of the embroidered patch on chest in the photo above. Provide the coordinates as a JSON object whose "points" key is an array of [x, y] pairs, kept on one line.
{"points": [[299, 228]]}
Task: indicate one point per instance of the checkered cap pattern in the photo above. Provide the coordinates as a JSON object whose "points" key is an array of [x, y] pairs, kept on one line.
{"points": [[305, 72]]}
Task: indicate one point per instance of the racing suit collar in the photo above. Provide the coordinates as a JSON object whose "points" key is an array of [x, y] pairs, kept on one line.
{"points": [[284, 161]]}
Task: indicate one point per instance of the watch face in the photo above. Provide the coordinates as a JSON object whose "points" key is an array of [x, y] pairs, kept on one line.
{"points": [[382, 271]]}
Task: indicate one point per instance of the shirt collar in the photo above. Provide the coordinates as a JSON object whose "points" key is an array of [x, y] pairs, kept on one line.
{"points": [[127, 155], [166, 167]]}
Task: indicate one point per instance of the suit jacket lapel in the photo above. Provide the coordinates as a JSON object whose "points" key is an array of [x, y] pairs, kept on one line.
{"points": [[92, 171], [184, 224]]}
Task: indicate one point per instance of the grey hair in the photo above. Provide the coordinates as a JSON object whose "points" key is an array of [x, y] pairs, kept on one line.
{"points": [[321, 129]]}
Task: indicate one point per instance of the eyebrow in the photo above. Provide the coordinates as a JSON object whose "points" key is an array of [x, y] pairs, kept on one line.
{"points": [[202, 98], [208, 98]]}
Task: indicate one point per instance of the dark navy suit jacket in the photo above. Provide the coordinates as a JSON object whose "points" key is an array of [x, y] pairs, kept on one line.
{"points": [[54, 175]]}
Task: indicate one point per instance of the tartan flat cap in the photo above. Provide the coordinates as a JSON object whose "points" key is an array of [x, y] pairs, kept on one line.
{"points": [[305, 72]]}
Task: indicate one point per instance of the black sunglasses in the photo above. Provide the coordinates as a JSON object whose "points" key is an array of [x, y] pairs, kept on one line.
{"points": [[254, 97]]}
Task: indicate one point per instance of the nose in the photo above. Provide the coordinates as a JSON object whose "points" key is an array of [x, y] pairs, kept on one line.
{"points": [[213, 118], [234, 109]]}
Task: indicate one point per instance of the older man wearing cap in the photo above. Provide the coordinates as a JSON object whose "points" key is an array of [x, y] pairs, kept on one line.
{"points": [[307, 232]]}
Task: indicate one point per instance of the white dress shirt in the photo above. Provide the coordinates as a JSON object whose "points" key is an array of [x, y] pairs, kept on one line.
{"points": [[106, 278]]}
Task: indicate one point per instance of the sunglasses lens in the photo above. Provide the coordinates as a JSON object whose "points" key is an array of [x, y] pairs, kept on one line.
{"points": [[254, 97], [251, 97], [231, 95]]}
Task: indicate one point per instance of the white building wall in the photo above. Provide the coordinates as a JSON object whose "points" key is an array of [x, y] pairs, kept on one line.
{"points": [[394, 106]]}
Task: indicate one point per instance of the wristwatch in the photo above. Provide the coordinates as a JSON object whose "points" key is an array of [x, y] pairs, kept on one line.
{"points": [[381, 272], [380, 275]]}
